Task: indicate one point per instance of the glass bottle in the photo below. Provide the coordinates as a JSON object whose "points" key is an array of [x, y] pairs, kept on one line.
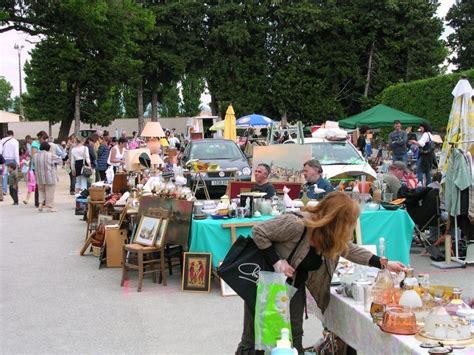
{"points": [[410, 300], [304, 197], [382, 292], [456, 302]]}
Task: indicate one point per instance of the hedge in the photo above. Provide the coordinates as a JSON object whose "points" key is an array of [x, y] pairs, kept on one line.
{"points": [[427, 98]]}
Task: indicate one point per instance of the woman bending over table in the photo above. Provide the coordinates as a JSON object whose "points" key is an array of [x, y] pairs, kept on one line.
{"points": [[327, 231]]}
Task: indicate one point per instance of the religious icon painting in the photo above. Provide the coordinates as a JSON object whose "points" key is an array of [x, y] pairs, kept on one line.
{"points": [[197, 272]]}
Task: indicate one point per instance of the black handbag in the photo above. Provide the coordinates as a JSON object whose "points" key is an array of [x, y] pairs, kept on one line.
{"points": [[242, 265]]}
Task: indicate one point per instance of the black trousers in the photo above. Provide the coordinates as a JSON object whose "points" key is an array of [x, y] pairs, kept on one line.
{"points": [[297, 304], [102, 176], [72, 183], [14, 194]]}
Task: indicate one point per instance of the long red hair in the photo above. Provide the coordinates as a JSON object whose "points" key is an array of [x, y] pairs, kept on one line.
{"points": [[331, 223]]}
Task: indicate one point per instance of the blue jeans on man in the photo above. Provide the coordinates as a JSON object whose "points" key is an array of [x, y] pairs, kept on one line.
{"points": [[5, 175], [400, 157]]}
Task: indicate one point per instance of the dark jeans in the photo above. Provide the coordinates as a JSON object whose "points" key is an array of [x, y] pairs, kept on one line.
{"points": [[72, 183], [14, 194], [37, 196], [297, 303], [401, 157], [102, 176]]}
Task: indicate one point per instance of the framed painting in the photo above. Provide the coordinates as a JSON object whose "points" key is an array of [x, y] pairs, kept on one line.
{"points": [[160, 238], [180, 217], [285, 161], [104, 218], [197, 272], [147, 231]]}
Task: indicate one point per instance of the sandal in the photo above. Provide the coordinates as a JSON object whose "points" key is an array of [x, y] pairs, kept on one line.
{"points": [[52, 210], [25, 202], [40, 208]]}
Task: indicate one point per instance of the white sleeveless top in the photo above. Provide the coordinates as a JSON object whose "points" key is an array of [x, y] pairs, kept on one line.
{"points": [[118, 156]]}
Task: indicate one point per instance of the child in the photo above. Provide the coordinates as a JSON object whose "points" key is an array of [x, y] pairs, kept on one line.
{"points": [[31, 184], [13, 182]]}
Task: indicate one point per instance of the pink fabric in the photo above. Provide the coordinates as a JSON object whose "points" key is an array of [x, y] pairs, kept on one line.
{"points": [[31, 181]]}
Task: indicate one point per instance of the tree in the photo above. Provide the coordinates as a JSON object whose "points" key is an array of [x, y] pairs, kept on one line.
{"points": [[192, 88], [5, 94], [461, 18], [91, 51]]}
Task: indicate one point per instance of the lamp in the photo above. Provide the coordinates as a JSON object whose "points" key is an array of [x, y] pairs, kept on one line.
{"points": [[153, 131]]}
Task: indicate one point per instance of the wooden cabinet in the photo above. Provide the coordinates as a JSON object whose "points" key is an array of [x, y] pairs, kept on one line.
{"points": [[114, 240]]}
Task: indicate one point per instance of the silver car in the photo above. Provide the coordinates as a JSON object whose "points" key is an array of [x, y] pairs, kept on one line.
{"points": [[226, 154]]}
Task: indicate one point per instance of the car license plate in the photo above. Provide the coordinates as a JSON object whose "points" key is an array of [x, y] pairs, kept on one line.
{"points": [[219, 182]]}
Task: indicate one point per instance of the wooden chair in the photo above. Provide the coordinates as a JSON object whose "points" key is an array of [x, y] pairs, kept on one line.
{"points": [[147, 257]]}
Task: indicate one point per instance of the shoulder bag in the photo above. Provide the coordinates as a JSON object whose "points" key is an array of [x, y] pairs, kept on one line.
{"points": [[241, 267], [86, 170], [428, 148]]}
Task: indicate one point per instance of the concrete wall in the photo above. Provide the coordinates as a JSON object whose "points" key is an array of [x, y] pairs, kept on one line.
{"points": [[21, 129]]}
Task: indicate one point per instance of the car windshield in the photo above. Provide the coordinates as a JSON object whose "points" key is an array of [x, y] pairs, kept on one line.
{"points": [[336, 153], [215, 150]]}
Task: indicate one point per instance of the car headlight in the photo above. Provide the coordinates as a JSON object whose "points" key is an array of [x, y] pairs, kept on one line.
{"points": [[246, 171]]}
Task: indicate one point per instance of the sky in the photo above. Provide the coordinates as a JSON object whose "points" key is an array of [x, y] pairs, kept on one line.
{"points": [[9, 55]]}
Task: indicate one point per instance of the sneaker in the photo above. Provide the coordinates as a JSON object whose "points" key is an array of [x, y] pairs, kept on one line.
{"points": [[25, 202], [15, 204], [72, 193]]}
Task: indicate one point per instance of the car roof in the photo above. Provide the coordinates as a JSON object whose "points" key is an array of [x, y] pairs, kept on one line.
{"points": [[310, 140]]}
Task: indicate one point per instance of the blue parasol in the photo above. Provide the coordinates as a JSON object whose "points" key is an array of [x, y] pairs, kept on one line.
{"points": [[254, 120]]}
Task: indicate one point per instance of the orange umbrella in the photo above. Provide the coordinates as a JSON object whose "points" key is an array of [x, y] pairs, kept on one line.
{"points": [[230, 129]]}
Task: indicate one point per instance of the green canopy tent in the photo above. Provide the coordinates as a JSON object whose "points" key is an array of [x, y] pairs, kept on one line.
{"points": [[380, 116]]}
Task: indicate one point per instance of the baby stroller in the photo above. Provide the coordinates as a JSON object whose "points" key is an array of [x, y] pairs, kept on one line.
{"points": [[423, 206]]}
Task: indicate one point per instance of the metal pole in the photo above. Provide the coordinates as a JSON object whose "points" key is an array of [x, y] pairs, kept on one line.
{"points": [[19, 48]]}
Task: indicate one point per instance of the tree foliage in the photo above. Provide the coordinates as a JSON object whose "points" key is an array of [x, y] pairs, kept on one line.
{"points": [[5, 94], [308, 60], [461, 18], [428, 98]]}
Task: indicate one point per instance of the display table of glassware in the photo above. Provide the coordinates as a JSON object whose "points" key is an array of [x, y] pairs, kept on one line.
{"points": [[355, 326]]}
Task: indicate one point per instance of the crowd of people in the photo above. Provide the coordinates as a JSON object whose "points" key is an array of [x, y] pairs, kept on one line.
{"points": [[417, 155], [35, 162]]}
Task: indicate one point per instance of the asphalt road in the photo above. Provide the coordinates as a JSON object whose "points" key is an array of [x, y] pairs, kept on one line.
{"points": [[54, 301]]}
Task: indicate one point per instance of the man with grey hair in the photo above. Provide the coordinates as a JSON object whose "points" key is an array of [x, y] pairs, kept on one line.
{"points": [[312, 171], [262, 172]]}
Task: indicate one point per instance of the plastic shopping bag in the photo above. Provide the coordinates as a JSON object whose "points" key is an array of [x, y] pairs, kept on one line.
{"points": [[272, 309], [109, 174]]}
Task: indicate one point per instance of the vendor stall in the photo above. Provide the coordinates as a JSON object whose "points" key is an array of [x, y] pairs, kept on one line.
{"points": [[395, 226], [349, 321]]}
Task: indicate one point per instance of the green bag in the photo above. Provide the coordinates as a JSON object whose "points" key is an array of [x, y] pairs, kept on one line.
{"points": [[272, 309]]}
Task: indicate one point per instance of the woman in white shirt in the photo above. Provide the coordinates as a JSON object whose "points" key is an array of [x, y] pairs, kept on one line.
{"points": [[427, 158], [116, 153], [79, 156]]}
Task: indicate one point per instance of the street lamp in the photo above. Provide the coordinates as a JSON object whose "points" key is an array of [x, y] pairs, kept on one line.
{"points": [[19, 48]]}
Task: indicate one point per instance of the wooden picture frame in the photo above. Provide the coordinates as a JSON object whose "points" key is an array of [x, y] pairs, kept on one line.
{"points": [[160, 237], [226, 290], [104, 218], [147, 231], [196, 272], [123, 214]]}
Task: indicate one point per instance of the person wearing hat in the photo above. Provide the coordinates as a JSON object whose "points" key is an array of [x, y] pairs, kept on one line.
{"points": [[398, 142], [395, 177], [312, 171], [427, 158]]}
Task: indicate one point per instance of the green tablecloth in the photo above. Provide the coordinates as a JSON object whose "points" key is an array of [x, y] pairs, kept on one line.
{"points": [[396, 227], [207, 235]]}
